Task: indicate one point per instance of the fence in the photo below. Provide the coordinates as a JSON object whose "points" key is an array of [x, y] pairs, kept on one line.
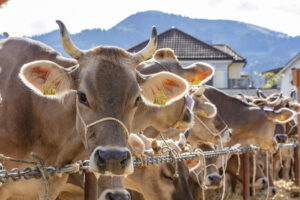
{"points": [[79, 167]]}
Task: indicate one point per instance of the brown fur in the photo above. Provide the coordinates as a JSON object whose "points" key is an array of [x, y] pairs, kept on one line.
{"points": [[165, 53]]}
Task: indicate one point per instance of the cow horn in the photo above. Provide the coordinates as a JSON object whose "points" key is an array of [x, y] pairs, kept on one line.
{"points": [[293, 93], [276, 102], [69, 47], [145, 53], [187, 133], [200, 90], [260, 94]]}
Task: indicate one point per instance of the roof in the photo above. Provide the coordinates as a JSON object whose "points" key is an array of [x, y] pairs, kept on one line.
{"points": [[186, 46], [226, 49], [275, 71], [290, 63]]}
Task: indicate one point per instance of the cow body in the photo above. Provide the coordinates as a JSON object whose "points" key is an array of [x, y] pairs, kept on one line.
{"points": [[30, 123], [250, 124]]}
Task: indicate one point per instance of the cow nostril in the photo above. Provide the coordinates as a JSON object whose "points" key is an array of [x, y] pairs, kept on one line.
{"points": [[274, 191], [109, 196], [117, 196], [125, 159], [210, 178], [100, 160], [264, 181]]}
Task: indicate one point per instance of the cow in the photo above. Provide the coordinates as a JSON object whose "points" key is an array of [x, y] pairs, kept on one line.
{"points": [[208, 127], [261, 180], [283, 160], [109, 188], [165, 181], [250, 124], [70, 106], [196, 74], [212, 180]]}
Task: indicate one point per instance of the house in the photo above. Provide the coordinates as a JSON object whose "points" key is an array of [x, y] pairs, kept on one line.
{"points": [[286, 82], [227, 63]]}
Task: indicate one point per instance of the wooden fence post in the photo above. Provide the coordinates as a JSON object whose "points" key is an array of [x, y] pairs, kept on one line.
{"points": [[246, 179], [296, 82], [90, 186]]}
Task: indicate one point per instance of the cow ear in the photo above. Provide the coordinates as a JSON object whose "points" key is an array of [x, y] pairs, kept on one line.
{"points": [[281, 116], [47, 78], [206, 109], [136, 144], [192, 164], [295, 107], [163, 88], [198, 73]]}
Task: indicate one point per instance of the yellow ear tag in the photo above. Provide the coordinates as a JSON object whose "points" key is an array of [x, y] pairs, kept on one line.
{"points": [[48, 88], [196, 80], [203, 113], [282, 118], [160, 98]]}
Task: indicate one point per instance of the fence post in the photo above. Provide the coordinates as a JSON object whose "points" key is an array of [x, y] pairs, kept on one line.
{"points": [[296, 82], [90, 186], [246, 180]]}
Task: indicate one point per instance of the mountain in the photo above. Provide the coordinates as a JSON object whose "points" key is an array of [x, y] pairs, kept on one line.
{"points": [[264, 49]]}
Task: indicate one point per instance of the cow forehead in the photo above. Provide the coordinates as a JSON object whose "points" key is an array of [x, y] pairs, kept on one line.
{"points": [[97, 55], [108, 79]]}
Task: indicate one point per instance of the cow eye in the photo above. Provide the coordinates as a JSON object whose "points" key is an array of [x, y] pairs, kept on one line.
{"points": [[137, 100], [82, 98], [167, 175]]}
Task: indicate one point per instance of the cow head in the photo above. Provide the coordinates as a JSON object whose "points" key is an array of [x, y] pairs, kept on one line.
{"points": [[162, 182], [212, 178], [108, 91], [165, 60], [111, 188]]}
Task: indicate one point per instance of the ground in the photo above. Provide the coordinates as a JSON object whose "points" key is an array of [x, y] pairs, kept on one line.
{"points": [[286, 191]]}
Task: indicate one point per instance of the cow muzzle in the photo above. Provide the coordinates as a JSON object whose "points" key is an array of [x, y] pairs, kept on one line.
{"points": [[111, 161], [115, 194], [213, 180], [281, 138]]}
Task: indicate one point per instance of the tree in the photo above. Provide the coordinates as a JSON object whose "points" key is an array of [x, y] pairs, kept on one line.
{"points": [[268, 80]]}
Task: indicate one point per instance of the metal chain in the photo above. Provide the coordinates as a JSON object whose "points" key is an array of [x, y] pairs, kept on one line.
{"points": [[78, 167]]}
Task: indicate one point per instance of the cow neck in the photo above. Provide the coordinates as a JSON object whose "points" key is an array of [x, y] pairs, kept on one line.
{"points": [[87, 126], [182, 113], [225, 105], [209, 130]]}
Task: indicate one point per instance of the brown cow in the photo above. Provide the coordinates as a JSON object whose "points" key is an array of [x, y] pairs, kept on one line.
{"points": [[212, 180], [205, 113], [250, 124], [100, 84], [162, 182], [109, 188], [260, 183]]}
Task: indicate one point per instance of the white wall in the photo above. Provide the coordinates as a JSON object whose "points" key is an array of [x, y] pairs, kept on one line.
{"points": [[286, 85]]}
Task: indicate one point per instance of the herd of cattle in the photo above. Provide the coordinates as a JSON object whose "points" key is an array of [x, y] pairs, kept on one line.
{"points": [[111, 106]]}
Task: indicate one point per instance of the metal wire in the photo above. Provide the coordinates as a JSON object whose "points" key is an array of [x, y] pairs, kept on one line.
{"points": [[29, 173]]}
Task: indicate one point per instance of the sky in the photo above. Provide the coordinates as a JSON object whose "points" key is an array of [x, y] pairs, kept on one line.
{"points": [[31, 17]]}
